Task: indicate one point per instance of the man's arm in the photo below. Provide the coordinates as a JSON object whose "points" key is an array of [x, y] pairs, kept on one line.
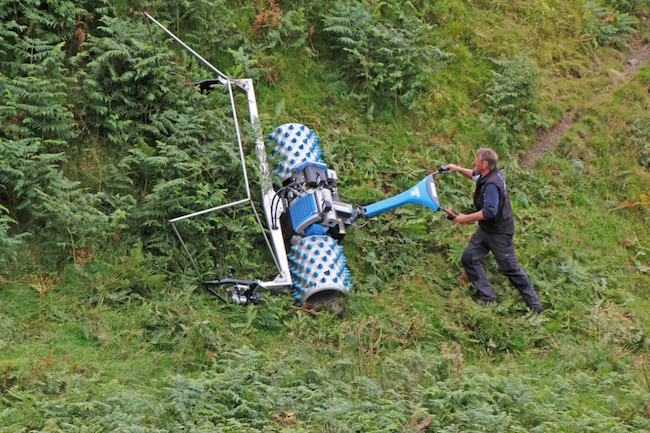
{"points": [[469, 218], [468, 173], [490, 207], [490, 201]]}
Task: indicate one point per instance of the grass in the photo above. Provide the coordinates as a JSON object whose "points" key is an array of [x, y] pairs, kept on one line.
{"points": [[112, 343]]}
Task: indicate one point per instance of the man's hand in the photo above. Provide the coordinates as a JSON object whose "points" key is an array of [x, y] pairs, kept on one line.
{"points": [[461, 219]]}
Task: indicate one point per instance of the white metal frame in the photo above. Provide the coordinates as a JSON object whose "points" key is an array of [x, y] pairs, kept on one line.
{"points": [[277, 249]]}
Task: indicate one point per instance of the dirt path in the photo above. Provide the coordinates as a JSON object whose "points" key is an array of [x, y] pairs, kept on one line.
{"points": [[546, 142]]}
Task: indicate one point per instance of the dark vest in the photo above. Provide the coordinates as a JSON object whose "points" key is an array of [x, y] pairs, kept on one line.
{"points": [[503, 222]]}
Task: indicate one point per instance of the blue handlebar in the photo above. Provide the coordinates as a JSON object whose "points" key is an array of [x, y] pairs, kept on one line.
{"points": [[424, 193]]}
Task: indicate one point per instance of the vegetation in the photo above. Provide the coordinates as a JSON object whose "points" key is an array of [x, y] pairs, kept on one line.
{"points": [[103, 326]]}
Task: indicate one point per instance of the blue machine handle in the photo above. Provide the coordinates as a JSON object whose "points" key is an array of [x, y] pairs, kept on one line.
{"points": [[424, 193]]}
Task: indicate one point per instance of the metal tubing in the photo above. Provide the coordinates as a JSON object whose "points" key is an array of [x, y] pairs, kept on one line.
{"points": [[241, 147], [277, 250], [223, 206], [243, 165], [268, 193], [197, 55], [196, 268], [268, 243]]}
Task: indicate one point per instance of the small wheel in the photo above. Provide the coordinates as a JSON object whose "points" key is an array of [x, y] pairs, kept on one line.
{"points": [[331, 300]]}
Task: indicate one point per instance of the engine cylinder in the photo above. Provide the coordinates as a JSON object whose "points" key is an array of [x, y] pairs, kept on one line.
{"points": [[317, 263]]}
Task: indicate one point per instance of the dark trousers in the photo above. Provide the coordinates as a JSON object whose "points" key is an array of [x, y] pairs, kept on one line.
{"points": [[503, 250]]}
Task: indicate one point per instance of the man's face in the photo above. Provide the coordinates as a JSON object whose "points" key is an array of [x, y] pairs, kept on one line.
{"points": [[479, 165]]}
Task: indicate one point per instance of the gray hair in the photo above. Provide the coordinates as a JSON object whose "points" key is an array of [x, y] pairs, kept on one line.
{"points": [[488, 155]]}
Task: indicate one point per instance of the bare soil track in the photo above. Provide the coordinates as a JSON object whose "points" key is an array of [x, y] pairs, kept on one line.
{"points": [[546, 142]]}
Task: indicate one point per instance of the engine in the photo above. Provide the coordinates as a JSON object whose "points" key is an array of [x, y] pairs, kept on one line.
{"points": [[313, 218]]}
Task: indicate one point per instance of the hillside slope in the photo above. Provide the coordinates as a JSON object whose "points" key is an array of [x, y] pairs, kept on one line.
{"points": [[104, 326]]}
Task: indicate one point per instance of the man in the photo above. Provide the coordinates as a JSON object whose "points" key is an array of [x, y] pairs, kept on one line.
{"points": [[495, 231]]}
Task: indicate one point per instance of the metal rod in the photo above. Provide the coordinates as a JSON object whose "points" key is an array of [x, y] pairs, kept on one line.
{"points": [[223, 206], [266, 238], [260, 148], [197, 55], [241, 147], [278, 253], [153, 44], [243, 164], [196, 268]]}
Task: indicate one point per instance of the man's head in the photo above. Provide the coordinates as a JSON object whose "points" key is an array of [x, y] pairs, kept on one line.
{"points": [[486, 159]]}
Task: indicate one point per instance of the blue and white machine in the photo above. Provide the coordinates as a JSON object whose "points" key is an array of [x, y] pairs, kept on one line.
{"points": [[305, 217], [314, 219]]}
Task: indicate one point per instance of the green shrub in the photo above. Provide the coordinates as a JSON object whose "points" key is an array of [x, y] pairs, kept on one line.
{"points": [[638, 141], [606, 27], [510, 97], [8, 242], [39, 125], [633, 7], [387, 48]]}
